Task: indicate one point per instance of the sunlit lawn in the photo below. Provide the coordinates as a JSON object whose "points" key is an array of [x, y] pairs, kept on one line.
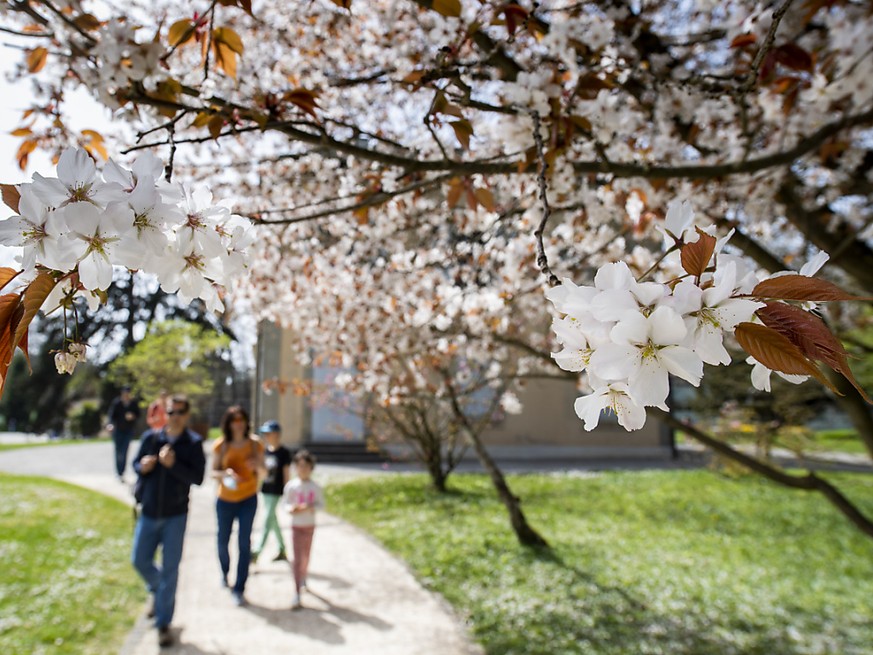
{"points": [[66, 583], [654, 562], [51, 442]]}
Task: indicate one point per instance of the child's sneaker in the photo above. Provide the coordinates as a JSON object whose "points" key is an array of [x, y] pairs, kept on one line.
{"points": [[281, 557]]}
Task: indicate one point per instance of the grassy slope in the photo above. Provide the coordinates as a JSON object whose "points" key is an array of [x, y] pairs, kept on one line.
{"points": [[67, 585], [658, 562]]}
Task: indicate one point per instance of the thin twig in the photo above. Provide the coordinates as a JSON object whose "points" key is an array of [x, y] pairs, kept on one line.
{"points": [[757, 62], [67, 20], [168, 171], [542, 259]]}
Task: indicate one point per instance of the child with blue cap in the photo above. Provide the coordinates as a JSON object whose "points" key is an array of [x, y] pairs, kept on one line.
{"points": [[277, 459]]}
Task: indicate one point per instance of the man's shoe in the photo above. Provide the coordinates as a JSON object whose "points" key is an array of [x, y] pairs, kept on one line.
{"points": [[150, 613], [165, 637], [254, 558], [281, 557], [224, 581], [238, 599]]}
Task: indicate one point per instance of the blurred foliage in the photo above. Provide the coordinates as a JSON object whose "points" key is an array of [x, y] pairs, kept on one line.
{"points": [[175, 356]]}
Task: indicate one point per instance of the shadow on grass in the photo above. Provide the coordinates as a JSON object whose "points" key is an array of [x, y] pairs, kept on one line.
{"points": [[592, 617]]}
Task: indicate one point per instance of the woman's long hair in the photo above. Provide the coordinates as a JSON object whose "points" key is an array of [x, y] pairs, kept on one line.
{"points": [[234, 411]]}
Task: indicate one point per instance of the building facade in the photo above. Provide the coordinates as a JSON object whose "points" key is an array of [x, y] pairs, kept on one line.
{"points": [[547, 429]]}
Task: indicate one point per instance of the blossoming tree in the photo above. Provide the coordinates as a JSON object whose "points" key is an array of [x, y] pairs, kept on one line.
{"points": [[463, 146]]}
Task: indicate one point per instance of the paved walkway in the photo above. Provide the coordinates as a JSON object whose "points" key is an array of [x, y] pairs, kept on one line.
{"points": [[363, 600]]}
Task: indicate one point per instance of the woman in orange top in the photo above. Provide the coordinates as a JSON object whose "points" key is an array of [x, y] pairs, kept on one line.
{"points": [[237, 464]]}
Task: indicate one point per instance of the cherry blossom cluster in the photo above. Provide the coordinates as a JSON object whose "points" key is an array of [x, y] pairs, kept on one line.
{"points": [[630, 336], [82, 224]]}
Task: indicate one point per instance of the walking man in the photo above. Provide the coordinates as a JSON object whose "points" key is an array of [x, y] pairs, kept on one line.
{"points": [[169, 462], [123, 413]]}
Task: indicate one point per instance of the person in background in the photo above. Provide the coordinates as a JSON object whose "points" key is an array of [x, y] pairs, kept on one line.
{"points": [[123, 414], [156, 414], [277, 461], [168, 463], [238, 465], [302, 497]]}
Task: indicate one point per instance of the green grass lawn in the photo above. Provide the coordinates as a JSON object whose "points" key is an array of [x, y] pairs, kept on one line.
{"points": [[677, 563], [823, 441], [67, 585], [52, 442]]}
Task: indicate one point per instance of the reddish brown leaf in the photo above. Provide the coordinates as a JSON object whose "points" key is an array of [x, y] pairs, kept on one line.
{"points": [[794, 57], [456, 188], [485, 198], [214, 125], [11, 196], [7, 275], [743, 40], [36, 59], [514, 15], [33, 298], [696, 256], [451, 8], [801, 287], [10, 312], [463, 131], [776, 352], [87, 22], [304, 99], [343, 4], [180, 32], [24, 151], [811, 336]]}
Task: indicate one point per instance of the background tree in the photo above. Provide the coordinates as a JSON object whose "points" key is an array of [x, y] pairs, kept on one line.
{"points": [[175, 356]]}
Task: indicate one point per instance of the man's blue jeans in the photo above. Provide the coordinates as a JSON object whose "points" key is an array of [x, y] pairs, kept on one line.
{"points": [[169, 533], [244, 513], [121, 439]]}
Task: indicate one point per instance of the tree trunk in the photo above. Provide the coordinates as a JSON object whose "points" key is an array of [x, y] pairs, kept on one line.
{"points": [[434, 464], [526, 535], [853, 404]]}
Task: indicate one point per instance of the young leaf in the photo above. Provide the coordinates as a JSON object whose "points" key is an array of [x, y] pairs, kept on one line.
{"points": [[10, 314], [36, 59], [776, 352], [696, 256], [451, 8], [11, 196], [215, 124], [87, 22], [743, 40], [463, 131], [305, 99], [32, 299], [514, 15], [225, 58], [811, 335], [485, 198], [7, 275], [456, 188], [181, 32], [801, 287], [794, 57], [228, 37]]}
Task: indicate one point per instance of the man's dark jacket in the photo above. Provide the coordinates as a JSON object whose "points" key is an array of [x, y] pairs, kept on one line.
{"points": [[165, 490]]}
